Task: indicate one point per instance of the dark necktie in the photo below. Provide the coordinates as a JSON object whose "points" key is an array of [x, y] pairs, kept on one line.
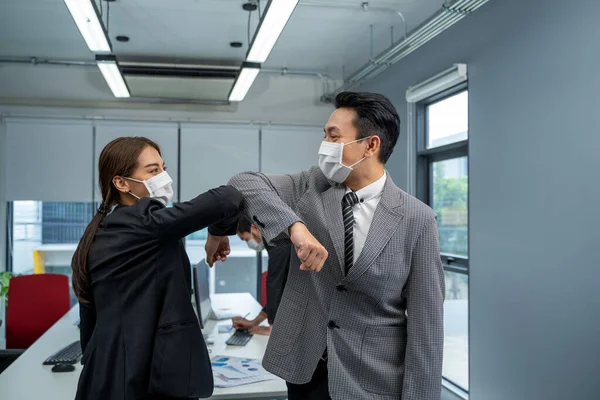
{"points": [[350, 199]]}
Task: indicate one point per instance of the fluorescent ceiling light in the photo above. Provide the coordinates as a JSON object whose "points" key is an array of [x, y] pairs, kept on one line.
{"points": [[86, 16], [276, 15], [112, 74], [244, 81]]}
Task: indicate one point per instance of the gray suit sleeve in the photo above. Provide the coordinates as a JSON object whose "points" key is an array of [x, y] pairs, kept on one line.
{"points": [[270, 200], [425, 308]]}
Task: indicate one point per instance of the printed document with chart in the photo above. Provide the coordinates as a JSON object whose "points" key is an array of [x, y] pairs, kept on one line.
{"points": [[235, 371]]}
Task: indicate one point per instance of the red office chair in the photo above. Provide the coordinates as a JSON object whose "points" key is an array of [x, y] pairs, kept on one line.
{"points": [[263, 289], [35, 303]]}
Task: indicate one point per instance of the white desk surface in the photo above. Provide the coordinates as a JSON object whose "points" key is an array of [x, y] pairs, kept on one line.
{"points": [[28, 379]]}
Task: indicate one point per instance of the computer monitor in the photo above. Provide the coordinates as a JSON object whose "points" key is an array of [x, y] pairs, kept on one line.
{"points": [[201, 291]]}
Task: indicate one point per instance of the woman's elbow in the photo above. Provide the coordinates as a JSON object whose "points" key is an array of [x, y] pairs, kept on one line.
{"points": [[235, 198]]}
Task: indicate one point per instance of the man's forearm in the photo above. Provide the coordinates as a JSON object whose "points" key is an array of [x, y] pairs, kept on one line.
{"points": [[260, 318], [269, 202]]}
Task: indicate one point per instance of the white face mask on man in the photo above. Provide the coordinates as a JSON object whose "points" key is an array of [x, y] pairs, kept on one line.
{"points": [[330, 160], [254, 245], [159, 187]]}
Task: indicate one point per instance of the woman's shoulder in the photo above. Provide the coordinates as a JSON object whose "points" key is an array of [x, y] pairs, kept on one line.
{"points": [[141, 207]]}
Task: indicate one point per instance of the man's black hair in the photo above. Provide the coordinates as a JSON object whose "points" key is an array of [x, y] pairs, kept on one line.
{"points": [[375, 115], [244, 225]]}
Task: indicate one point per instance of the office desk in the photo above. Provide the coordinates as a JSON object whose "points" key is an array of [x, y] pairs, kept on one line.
{"points": [[242, 303], [28, 379]]}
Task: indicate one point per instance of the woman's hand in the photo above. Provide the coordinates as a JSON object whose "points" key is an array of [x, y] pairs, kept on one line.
{"points": [[217, 249]]}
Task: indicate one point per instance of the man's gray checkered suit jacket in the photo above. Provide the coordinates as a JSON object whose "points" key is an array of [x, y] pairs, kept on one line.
{"points": [[382, 324]]}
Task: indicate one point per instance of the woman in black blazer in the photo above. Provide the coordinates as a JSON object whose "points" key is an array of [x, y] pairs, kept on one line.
{"points": [[139, 334]]}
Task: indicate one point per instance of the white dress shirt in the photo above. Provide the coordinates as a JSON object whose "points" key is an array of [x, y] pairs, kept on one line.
{"points": [[364, 210]]}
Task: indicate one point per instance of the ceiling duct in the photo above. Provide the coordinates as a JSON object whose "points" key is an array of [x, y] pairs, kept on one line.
{"points": [[178, 80], [451, 12]]}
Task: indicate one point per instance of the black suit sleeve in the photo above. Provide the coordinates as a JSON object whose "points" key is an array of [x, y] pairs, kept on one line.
{"points": [[221, 204], [279, 264], [87, 323]]}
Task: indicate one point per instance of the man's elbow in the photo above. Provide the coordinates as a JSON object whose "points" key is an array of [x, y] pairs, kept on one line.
{"points": [[238, 181]]}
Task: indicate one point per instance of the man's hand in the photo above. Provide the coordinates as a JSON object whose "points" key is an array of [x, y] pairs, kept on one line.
{"points": [[243, 323], [217, 249], [261, 330], [310, 252]]}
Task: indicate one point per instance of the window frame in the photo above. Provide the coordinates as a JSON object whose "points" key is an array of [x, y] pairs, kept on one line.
{"points": [[427, 156], [9, 236]]}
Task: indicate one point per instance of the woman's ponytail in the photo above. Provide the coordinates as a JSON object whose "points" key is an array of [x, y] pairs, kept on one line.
{"points": [[79, 264]]}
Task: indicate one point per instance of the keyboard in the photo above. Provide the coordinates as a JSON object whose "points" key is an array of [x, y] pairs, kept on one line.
{"points": [[70, 354], [241, 337]]}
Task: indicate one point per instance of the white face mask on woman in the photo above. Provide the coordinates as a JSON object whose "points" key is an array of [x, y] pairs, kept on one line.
{"points": [[159, 187], [330, 160]]}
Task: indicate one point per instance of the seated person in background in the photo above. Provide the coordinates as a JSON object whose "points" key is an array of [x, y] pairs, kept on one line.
{"points": [[279, 262]]}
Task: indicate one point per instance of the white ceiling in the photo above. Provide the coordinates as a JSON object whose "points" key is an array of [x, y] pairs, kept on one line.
{"points": [[322, 39]]}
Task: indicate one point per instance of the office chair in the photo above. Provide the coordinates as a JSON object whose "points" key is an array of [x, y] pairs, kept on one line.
{"points": [[35, 303]]}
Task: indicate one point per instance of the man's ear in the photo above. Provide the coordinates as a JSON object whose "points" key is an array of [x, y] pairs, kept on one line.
{"points": [[255, 231], [373, 145], [121, 184]]}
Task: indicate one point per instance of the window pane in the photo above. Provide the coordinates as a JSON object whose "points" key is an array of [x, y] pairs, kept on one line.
{"points": [[64, 222], [448, 120], [456, 330], [450, 201], [51, 228], [236, 275]]}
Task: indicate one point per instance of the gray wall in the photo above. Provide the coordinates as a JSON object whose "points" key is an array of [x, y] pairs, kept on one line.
{"points": [[2, 196], [534, 94], [2, 220]]}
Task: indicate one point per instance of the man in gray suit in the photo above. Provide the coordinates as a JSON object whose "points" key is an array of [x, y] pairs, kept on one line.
{"points": [[369, 325]]}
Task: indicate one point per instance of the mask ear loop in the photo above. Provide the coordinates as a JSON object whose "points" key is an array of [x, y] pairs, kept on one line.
{"points": [[351, 166], [354, 141], [358, 140], [138, 181]]}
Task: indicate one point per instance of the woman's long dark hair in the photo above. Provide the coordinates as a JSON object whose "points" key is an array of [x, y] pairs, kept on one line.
{"points": [[118, 158]]}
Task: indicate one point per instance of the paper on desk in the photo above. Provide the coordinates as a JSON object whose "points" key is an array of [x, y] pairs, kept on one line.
{"points": [[230, 372], [223, 382], [223, 313], [236, 367], [235, 371], [225, 328]]}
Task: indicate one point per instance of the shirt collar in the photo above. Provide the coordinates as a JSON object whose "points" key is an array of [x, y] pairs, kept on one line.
{"points": [[373, 190]]}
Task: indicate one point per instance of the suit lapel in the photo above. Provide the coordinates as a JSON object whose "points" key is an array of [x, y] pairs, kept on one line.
{"points": [[332, 203], [384, 224]]}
